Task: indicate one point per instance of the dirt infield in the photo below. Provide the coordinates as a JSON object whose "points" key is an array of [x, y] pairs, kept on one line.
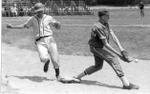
{"points": [[22, 74]]}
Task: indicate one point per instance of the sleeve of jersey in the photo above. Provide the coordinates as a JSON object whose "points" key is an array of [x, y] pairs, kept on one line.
{"points": [[28, 23], [51, 19], [99, 32]]}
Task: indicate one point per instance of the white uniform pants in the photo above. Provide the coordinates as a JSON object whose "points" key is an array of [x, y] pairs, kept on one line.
{"points": [[47, 50]]}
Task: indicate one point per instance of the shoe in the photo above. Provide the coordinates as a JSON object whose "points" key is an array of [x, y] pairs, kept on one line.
{"points": [[59, 78], [68, 80], [63, 79], [46, 66], [131, 86], [76, 80]]}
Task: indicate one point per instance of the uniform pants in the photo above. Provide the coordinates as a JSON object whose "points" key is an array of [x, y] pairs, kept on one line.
{"points": [[47, 50], [100, 55]]}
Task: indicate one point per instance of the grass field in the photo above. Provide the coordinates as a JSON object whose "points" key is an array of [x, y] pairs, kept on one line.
{"points": [[133, 32]]}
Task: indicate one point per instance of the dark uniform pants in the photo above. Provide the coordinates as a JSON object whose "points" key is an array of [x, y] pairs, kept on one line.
{"points": [[100, 55]]}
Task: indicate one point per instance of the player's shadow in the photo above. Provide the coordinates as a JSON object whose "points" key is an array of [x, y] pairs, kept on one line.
{"points": [[89, 82], [33, 78]]}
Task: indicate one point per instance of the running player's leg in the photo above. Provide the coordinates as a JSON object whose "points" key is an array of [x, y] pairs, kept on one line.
{"points": [[92, 69], [44, 56], [53, 51]]}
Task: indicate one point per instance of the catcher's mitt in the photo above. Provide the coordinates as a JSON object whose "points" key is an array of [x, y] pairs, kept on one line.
{"points": [[125, 56]]}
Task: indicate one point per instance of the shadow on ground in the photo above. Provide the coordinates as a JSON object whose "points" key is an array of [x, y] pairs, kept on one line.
{"points": [[89, 82], [33, 78], [94, 83]]}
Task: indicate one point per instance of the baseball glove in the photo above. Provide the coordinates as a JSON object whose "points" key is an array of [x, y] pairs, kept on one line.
{"points": [[125, 56]]}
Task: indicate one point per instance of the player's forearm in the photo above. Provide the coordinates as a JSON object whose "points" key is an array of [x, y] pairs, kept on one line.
{"points": [[118, 44], [116, 40], [112, 49], [17, 26]]}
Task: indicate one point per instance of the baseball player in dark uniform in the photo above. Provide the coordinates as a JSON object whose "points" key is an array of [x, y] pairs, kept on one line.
{"points": [[141, 7], [103, 51]]}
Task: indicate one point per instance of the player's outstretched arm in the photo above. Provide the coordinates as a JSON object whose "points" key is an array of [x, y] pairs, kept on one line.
{"points": [[124, 54], [15, 26], [109, 47], [27, 24], [116, 40]]}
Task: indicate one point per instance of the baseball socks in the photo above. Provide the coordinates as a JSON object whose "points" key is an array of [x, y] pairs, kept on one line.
{"points": [[57, 71], [77, 79], [46, 65], [81, 75], [127, 84]]}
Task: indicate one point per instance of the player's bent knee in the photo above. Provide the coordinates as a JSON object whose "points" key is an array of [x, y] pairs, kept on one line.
{"points": [[44, 60], [98, 67]]}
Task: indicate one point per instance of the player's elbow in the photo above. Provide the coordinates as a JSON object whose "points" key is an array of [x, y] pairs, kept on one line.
{"points": [[104, 41], [25, 26]]}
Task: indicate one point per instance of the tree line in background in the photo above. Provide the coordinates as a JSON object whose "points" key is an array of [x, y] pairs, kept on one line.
{"points": [[105, 2], [93, 2], [116, 2]]}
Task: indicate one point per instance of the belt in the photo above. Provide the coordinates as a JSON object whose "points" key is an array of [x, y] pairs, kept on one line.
{"points": [[39, 38]]}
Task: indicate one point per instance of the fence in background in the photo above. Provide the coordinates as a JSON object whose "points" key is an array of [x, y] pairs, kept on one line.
{"points": [[52, 7]]}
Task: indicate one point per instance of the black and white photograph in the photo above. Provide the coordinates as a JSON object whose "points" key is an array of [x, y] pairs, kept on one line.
{"points": [[75, 47]]}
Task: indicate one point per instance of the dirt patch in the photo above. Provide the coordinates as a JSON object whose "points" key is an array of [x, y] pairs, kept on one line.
{"points": [[24, 72]]}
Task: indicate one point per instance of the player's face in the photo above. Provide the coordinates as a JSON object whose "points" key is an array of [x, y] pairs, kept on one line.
{"points": [[105, 18], [39, 13]]}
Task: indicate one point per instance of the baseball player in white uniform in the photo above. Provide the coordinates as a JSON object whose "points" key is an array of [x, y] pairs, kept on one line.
{"points": [[45, 43]]}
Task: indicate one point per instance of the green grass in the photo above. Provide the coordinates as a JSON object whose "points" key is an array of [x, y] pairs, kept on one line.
{"points": [[75, 33]]}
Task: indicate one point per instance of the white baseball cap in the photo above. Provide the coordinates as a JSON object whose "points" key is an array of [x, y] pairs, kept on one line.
{"points": [[38, 7]]}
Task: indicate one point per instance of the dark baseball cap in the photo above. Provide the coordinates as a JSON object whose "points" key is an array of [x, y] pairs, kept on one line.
{"points": [[102, 13]]}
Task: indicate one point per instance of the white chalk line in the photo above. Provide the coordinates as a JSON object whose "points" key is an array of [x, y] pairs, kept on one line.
{"points": [[131, 25]]}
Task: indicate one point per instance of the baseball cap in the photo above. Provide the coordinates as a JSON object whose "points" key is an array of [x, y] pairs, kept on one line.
{"points": [[103, 12], [38, 7]]}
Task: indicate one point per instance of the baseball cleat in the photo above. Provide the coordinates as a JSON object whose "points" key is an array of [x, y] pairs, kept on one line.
{"points": [[59, 78], [76, 80], [46, 66], [69, 80], [131, 86]]}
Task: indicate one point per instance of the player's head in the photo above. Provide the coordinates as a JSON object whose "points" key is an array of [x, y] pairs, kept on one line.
{"points": [[141, 2], [38, 8], [103, 16]]}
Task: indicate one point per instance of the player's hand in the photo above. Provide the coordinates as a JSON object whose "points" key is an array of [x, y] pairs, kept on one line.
{"points": [[125, 56], [9, 26], [57, 25]]}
